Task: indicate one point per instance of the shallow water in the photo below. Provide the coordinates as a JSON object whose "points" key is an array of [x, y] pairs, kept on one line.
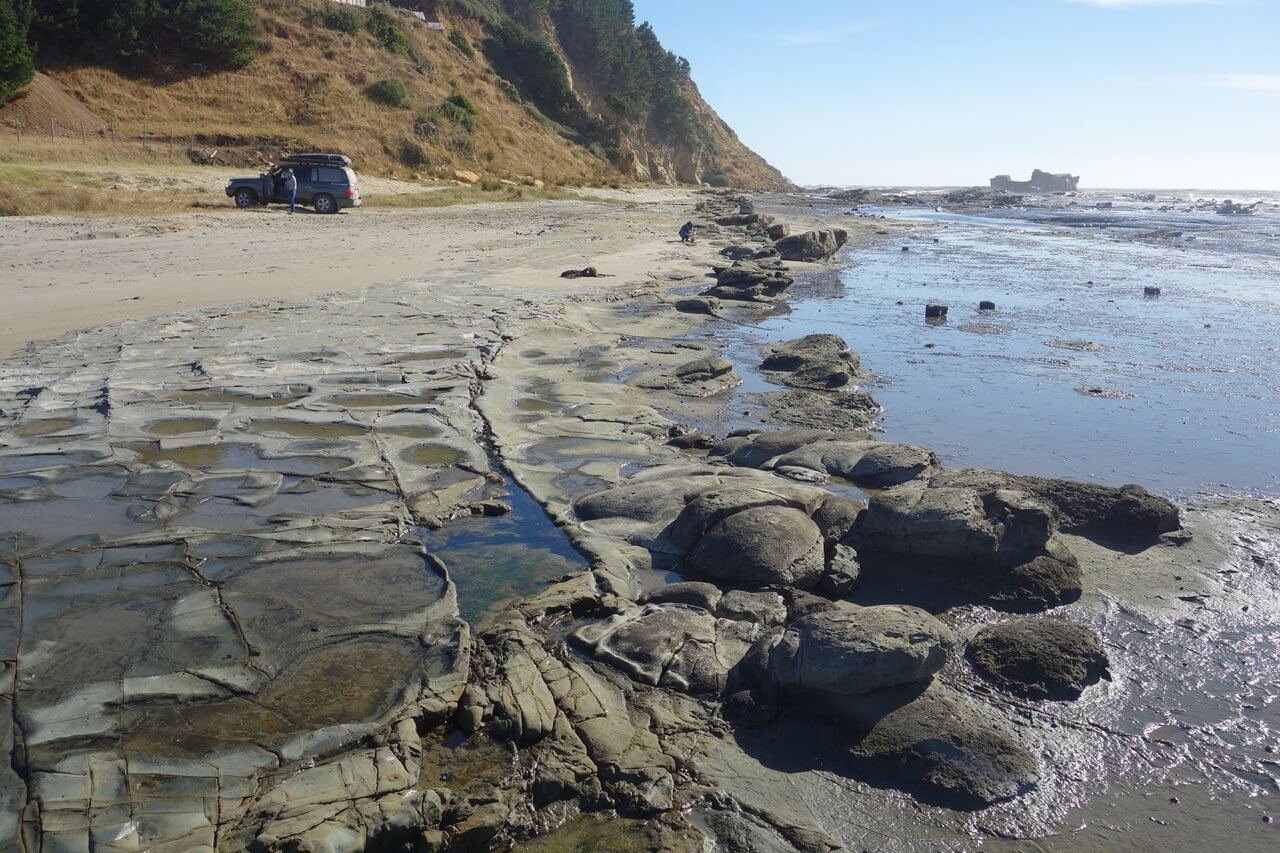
{"points": [[1087, 378], [495, 560]]}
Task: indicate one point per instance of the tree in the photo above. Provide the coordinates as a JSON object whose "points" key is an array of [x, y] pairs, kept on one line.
{"points": [[17, 62]]}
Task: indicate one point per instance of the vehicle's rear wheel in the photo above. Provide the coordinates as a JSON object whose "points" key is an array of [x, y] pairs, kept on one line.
{"points": [[246, 197], [324, 204]]}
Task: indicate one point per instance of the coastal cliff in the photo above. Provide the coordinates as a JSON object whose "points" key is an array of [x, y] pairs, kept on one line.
{"points": [[489, 90]]}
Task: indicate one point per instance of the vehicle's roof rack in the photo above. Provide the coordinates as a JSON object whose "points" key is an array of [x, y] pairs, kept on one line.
{"points": [[322, 159]]}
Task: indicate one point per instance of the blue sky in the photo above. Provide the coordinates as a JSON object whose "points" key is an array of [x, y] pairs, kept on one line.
{"points": [[1126, 93]]}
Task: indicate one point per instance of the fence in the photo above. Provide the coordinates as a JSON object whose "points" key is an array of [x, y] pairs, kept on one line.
{"points": [[187, 145]]}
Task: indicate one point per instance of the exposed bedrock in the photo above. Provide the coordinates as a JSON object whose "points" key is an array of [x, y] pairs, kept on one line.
{"points": [[817, 362], [1127, 517], [1039, 658], [952, 544], [812, 245], [702, 377], [854, 456]]}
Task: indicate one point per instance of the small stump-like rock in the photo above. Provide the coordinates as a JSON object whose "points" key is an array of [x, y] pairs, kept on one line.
{"points": [[1039, 658], [986, 305], [934, 310]]}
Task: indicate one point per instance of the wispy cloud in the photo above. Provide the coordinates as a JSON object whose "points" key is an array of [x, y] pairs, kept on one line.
{"points": [[1116, 4], [829, 35], [1266, 83]]}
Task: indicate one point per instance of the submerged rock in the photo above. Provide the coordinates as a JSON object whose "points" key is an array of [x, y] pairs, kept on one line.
{"points": [[1039, 658]]}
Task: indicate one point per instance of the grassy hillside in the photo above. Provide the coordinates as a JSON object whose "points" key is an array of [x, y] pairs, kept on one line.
{"points": [[400, 98]]}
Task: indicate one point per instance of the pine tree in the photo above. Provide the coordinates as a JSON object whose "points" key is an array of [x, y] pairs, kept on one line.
{"points": [[17, 61]]}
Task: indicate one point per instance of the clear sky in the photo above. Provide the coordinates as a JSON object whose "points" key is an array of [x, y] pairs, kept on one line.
{"points": [[1125, 93]]}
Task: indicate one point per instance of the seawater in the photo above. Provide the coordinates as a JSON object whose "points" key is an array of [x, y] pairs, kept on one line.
{"points": [[1076, 373]]}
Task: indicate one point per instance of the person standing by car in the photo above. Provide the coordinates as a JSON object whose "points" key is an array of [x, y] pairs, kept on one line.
{"points": [[291, 189]]}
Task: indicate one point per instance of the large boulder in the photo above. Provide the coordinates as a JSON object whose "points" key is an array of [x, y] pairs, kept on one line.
{"points": [[956, 522], [1039, 658], [939, 744], [818, 362], [1128, 516], [812, 245], [849, 650], [760, 546]]}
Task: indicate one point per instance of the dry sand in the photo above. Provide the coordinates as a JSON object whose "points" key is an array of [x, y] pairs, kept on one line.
{"points": [[61, 274]]}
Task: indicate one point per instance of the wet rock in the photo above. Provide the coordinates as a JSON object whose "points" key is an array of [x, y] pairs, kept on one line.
{"points": [[702, 377], [851, 455], [937, 741], [1150, 291], [986, 305], [1039, 658], [956, 522], [819, 362], [708, 305], [759, 546], [695, 593], [1129, 515], [694, 441], [849, 650], [812, 245], [669, 645], [933, 310], [846, 412], [750, 281], [1048, 580]]}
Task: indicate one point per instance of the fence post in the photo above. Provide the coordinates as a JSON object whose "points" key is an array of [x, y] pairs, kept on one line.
{"points": [[17, 129], [82, 133], [171, 146], [113, 134]]}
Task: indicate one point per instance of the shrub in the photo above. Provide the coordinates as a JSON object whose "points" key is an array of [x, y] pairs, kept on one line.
{"points": [[459, 40], [387, 31], [344, 19], [17, 67], [424, 127], [412, 154], [459, 110], [389, 92]]}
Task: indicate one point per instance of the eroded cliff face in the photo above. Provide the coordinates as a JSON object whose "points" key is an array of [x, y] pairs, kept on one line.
{"points": [[648, 153]]}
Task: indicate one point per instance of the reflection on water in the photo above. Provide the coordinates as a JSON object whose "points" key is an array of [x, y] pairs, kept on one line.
{"points": [[1190, 382]]}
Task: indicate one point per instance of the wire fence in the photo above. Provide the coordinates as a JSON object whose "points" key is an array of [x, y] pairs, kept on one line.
{"points": [[174, 144]]}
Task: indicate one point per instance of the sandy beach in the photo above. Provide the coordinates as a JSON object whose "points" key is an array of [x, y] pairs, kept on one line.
{"points": [[59, 274]]}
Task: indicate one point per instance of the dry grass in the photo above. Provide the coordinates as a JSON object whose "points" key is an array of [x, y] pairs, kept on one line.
{"points": [[308, 90]]}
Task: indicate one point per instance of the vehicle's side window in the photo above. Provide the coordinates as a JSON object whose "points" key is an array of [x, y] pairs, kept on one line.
{"points": [[332, 176], [305, 173]]}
